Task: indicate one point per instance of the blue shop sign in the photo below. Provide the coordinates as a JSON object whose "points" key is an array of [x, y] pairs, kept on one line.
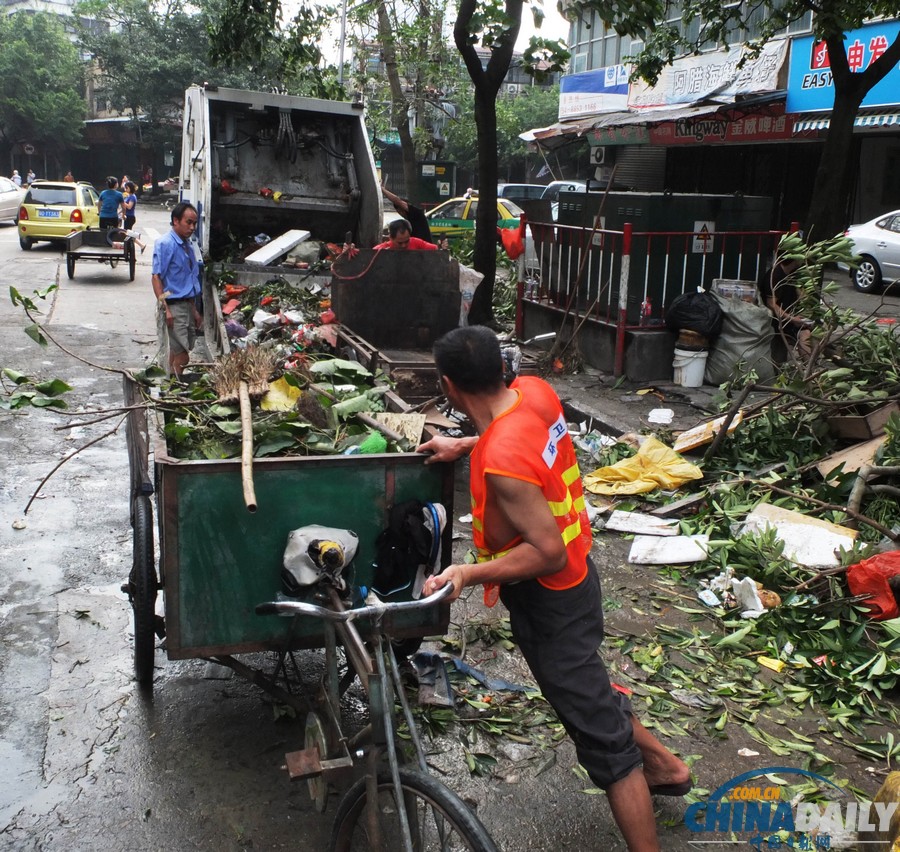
{"points": [[810, 86]]}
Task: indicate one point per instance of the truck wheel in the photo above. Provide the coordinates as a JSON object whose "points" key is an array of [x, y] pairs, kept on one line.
{"points": [[70, 265]]}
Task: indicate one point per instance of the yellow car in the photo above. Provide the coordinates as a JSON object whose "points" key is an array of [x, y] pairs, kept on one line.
{"points": [[457, 216], [53, 209]]}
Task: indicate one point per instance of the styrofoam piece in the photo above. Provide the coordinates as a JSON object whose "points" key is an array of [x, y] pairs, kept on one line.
{"points": [[670, 550], [808, 541], [636, 522], [271, 251]]}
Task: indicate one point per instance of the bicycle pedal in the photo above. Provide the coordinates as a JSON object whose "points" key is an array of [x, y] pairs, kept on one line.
{"points": [[303, 764]]}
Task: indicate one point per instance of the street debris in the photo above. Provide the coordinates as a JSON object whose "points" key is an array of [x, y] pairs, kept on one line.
{"points": [[653, 466], [672, 550]]}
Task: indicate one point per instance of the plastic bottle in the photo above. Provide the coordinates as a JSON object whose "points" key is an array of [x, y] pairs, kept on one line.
{"points": [[646, 310]]}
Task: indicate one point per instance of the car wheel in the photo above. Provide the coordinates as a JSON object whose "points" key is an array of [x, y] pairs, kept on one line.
{"points": [[26, 243], [867, 276]]}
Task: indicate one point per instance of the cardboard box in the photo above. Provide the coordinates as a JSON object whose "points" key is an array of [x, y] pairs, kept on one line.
{"points": [[861, 426]]}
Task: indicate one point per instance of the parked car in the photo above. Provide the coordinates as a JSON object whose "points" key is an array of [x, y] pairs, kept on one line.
{"points": [[878, 244], [53, 209], [553, 189], [520, 192], [10, 199], [456, 216]]}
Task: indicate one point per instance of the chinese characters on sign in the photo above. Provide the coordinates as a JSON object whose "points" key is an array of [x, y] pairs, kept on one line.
{"points": [[810, 85], [721, 127]]}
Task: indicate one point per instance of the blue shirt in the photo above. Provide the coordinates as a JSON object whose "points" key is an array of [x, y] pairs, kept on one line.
{"points": [[131, 198], [110, 199], [174, 262]]}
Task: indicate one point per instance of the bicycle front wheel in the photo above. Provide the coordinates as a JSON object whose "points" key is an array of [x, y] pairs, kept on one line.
{"points": [[438, 818]]}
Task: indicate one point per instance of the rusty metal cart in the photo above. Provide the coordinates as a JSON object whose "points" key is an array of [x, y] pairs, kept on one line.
{"points": [[218, 563], [105, 246]]}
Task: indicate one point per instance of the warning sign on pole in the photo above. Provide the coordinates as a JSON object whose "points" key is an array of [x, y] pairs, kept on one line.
{"points": [[704, 236]]}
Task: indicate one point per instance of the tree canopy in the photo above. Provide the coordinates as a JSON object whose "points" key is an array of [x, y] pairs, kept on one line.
{"points": [[41, 83], [705, 24]]}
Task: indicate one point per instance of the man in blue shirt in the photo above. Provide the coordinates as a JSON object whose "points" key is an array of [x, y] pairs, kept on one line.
{"points": [[176, 284]]}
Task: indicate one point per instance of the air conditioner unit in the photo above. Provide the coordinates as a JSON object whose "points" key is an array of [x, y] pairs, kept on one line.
{"points": [[598, 156], [512, 88]]}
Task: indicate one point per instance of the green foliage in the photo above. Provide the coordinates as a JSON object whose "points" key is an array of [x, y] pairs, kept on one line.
{"points": [[41, 82], [26, 391]]}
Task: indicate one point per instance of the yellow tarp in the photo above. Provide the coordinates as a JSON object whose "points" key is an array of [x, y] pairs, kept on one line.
{"points": [[653, 466]]}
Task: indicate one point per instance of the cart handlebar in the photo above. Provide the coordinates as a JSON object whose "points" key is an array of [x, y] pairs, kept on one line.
{"points": [[373, 610]]}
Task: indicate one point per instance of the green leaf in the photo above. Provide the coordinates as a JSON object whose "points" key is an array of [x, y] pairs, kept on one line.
{"points": [[53, 387], [335, 366], [47, 402], [15, 376], [229, 427], [736, 637], [34, 332]]}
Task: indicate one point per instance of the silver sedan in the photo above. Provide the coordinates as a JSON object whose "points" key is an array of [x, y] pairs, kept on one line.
{"points": [[878, 245], [10, 200]]}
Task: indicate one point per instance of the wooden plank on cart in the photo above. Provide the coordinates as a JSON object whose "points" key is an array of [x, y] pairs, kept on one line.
{"points": [[276, 248]]}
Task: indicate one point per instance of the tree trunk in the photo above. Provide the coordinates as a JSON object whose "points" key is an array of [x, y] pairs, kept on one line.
{"points": [[487, 82], [399, 104]]}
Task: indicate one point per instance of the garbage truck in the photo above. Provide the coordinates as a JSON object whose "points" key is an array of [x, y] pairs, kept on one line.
{"points": [[297, 173], [257, 163]]}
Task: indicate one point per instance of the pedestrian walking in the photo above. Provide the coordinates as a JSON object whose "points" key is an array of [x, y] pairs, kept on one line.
{"points": [[533, 539], [16, 177], [130, 205], [30, 177]]}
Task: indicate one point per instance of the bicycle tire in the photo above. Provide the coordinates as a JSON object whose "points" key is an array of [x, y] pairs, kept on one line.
{"points": [[143, 588], [439, 819]]}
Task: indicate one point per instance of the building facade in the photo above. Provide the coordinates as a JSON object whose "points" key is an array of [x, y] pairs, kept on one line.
{"points": [[710, 126]]}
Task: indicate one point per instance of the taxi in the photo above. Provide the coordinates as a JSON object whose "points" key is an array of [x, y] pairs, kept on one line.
{"points": [[51, 210], [456, 217]]}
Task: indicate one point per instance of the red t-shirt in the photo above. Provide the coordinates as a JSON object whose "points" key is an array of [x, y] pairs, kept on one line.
{"points": [[414, 244]]}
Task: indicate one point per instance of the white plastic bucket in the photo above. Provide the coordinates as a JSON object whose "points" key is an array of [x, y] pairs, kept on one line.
{"points": [[689, 367]]}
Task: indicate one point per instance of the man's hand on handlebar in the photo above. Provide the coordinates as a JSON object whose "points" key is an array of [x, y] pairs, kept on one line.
{"points": [[451, 574]]}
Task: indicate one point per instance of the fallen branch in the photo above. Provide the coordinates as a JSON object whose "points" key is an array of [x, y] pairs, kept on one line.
{"points": [[70, 456]]}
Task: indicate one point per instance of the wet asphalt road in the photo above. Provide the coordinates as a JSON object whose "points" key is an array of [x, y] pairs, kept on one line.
{"points": [[88, 763]]}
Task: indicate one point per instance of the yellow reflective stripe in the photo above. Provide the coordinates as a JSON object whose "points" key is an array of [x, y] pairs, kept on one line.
{"points": [[579, 504], [476, 523], [569, 476], [488, 557], [561, 508], [571, 532]]}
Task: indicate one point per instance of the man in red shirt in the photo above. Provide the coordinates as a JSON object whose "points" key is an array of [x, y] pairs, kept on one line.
{"points": [[533, 539], [400, 233]]}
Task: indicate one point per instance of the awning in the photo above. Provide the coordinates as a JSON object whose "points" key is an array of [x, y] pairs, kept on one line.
{"points": [[564, 131], [821, 122]]}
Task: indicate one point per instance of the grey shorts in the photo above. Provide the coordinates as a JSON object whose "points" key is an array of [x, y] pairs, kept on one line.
{"points": [[183, 331]]}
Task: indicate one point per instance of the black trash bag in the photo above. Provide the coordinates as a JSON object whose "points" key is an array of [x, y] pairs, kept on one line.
{"points": [[404, 545], [697, 311]]}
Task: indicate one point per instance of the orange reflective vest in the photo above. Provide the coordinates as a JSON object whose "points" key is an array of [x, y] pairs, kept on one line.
{"points": [[530, 441]]}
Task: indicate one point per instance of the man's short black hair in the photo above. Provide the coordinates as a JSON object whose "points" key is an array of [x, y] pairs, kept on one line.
{"points": [[470, 357], [180, 209], [397, 226]]}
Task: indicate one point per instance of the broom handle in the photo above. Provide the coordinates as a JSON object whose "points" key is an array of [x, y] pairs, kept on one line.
{"points": [[247, 447]]}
